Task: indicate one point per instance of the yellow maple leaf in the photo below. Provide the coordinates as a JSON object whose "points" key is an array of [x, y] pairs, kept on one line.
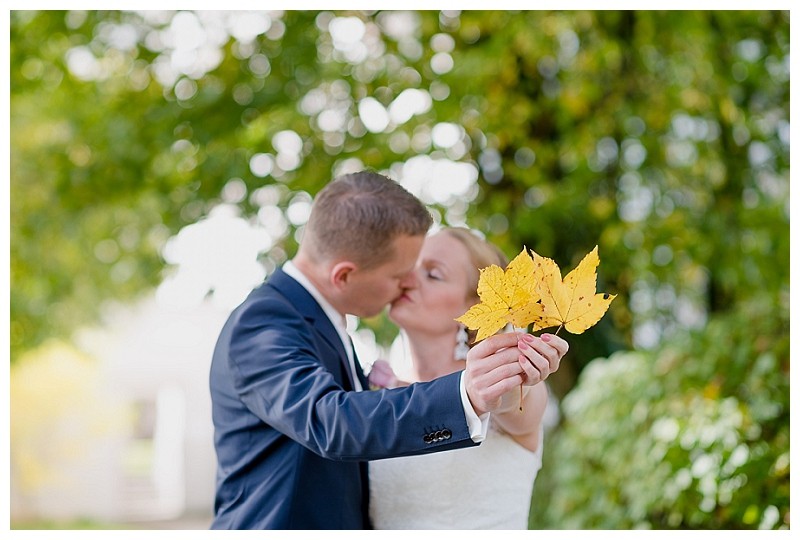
{"points": [[572, 302], [506, 297]]}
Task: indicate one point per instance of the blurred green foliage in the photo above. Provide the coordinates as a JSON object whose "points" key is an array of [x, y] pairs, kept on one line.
{"points": [[662, 137], [694, 435]]}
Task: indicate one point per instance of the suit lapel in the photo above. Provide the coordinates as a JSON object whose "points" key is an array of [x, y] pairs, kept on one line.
{"points": [[360, 372], [317, 318]]}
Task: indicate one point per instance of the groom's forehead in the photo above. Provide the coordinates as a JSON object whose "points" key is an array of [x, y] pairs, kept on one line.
{"points": [[398, 265], [402, 245]]}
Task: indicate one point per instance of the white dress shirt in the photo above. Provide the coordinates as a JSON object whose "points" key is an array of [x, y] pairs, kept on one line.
{"points": [[478, 425]]}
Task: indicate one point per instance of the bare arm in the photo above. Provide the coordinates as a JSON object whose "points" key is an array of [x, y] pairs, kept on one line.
{"points": [[524, 425], [544, 353]]}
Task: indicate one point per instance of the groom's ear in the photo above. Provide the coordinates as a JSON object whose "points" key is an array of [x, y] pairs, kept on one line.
{"points": [[341, 273]]}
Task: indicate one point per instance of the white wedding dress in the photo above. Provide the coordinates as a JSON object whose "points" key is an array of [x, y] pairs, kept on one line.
{"points": [[483, 487]]}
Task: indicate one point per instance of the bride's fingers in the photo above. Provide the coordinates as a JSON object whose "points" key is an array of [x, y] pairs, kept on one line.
{"points": [[550, 350], [532, 375], [557, 342], [535, 359], [558, 345]]}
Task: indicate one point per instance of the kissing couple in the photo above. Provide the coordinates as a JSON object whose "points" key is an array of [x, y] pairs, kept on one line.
{"points": [[301, 440]]}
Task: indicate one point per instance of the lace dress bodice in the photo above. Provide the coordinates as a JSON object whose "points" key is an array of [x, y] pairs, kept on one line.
{"points": [[484, 487]]}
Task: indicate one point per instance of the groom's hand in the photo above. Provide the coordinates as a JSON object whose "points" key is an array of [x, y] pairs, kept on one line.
{"points": [[494, 368]]}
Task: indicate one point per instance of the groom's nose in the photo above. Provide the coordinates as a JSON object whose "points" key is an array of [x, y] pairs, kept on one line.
{"points": [[409, 281]]}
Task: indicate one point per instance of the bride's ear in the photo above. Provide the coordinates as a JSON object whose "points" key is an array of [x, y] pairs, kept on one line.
{"points": [[341, 274]]}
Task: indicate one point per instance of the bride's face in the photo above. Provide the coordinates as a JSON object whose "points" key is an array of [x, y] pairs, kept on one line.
{"points": [[440, 289]]}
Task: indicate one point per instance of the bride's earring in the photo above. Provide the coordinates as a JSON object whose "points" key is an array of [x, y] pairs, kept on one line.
{"points": [[461, 343]]}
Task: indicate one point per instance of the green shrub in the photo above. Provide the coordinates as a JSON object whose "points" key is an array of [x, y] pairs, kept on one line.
{"points": [[693, 435]]}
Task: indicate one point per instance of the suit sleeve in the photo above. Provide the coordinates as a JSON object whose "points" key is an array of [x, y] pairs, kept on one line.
{"points": [[273, 358]]}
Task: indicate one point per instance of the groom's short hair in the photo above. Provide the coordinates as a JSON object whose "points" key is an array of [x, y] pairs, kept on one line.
{"points": [[356, 217]]}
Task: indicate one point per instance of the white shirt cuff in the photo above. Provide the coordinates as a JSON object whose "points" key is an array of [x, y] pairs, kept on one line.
{"points": [[478, 425]]}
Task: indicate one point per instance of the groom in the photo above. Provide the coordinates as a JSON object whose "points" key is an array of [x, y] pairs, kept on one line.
{"points": [[292, 430]]}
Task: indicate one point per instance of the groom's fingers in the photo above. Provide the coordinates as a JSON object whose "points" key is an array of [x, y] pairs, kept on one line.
{"points": [[492, 352], [503, 386], [502, 362], [485, 392], [498, 374], [479, 367], [494, 343]]}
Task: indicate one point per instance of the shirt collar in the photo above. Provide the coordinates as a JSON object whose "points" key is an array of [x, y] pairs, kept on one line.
{"points": [[338, 320]]}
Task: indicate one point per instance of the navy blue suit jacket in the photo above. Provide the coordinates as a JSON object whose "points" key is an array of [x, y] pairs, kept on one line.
{"points": [[292, 438]]}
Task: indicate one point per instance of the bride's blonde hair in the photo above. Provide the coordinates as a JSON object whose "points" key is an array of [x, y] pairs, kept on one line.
{"points": [[482, 253]]}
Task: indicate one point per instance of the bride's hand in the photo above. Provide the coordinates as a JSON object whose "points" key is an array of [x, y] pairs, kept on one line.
{"points": [[544, 353]]}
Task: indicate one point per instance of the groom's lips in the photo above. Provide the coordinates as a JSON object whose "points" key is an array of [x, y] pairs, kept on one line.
{"points": [[402, 297]]}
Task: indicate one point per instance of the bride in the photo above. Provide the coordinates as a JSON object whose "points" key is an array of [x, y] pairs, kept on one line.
{"points": [[483, 487]]}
